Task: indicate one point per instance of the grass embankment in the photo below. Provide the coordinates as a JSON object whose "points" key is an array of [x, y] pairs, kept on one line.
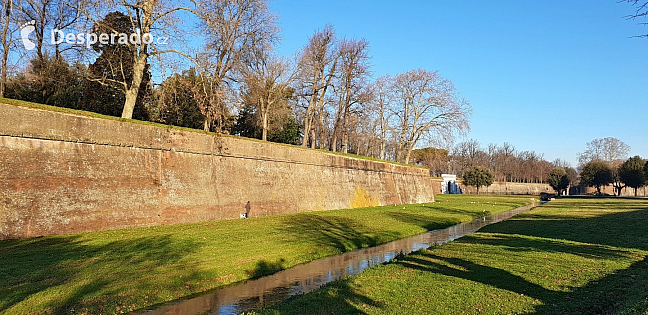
{"points": [[78, 112], [120, 270], [570, 256]]}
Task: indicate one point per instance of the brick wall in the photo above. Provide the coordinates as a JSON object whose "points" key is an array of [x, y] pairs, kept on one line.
{"points": [[63, 173], [501, 188]]}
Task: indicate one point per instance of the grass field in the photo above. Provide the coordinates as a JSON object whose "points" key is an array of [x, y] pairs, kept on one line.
{"points": [[122, 270], [570, 256]]}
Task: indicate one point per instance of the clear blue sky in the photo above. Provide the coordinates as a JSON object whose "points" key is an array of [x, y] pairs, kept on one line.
{"points": [[547, 76]]}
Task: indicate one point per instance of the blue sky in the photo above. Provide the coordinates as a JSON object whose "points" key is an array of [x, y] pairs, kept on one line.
{"points": [[547, 76]]}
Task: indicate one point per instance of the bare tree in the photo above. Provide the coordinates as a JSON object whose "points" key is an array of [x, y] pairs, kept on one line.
{"points": [[506, 163], [48, 16], [380, 107], [354, 72], [148, 19], [641, 11], [607, 149], [561, 163], [236, 30], [469, 154], [7, 41], [37, 11], [318, 63], [266, 85], [426, 105]]}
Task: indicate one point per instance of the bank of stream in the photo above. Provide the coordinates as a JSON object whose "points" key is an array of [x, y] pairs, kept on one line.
{"points": [[254, 294]]}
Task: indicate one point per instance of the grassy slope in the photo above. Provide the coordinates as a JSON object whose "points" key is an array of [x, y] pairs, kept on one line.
{"points": [[570, 256], [20, 103], [112, 271]]}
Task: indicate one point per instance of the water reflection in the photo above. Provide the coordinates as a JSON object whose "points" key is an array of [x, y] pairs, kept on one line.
{"points": [[254, 294]]}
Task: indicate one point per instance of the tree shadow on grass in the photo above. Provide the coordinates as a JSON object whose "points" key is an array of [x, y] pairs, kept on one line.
{"points": [[46, 269], [442, 217], [427, 222], [338, 297], [517, 243], [622, 292], [620, 229], [264, 268], [465, 269], [591, 236], [339, 233]]}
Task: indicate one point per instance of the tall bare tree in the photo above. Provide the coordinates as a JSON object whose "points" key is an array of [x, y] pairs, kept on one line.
{"points": [[48, 16], [150, 19], [381, 97], [237, 31], [7, 41], [354, 72], [318, 63], [426, 106], [266, 85], [470, 154], [607, 149], [641, 12]]}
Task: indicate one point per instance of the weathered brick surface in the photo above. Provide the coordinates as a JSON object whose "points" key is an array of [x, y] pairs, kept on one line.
{"points": [[500, 188], [61, 173]]}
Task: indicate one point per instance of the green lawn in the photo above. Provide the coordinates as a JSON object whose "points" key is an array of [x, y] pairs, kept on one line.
{"points": [[570, 256], [120, 270]]}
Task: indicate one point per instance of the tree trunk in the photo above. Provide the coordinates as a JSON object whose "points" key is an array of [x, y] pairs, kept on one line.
{"points": [[207, 124], [264, 132], [133, 89], [408, 155], [129, 104], [5, 54], [343, 129], [307, 127]]}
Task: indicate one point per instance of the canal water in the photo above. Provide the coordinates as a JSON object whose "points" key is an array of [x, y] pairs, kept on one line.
{"points": [[253, 295]]}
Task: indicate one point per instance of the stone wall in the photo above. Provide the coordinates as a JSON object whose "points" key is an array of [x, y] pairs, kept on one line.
{"points": [[609, 190], [63, 173], [509, 188], [501, 188]]}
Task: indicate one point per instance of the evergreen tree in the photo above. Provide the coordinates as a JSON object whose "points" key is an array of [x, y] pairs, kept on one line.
{"points": [[596, 174], [478, 177], [558, 180], [105, 93], [632, 173]]}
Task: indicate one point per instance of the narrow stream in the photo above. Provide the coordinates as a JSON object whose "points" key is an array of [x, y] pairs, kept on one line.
{"points": [[252, 295]]}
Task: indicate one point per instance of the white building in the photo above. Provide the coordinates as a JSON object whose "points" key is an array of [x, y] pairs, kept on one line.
{"points": [[449, 184]]}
